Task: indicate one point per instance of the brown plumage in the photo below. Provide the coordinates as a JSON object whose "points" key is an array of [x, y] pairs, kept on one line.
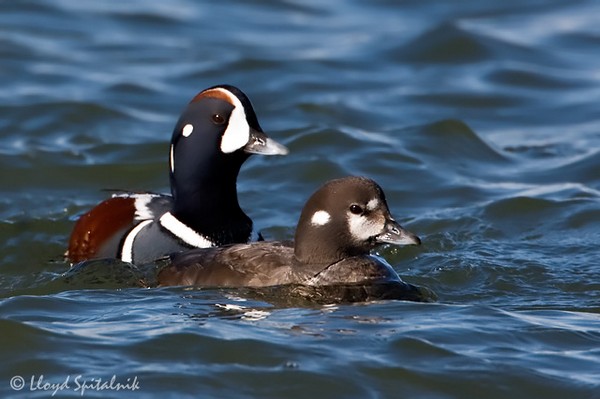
{"points": [[340, 223], [96, 234]]}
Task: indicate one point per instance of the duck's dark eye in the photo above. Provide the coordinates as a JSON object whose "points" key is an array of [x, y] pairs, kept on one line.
{"points": [[218, 119], [356, 209]]}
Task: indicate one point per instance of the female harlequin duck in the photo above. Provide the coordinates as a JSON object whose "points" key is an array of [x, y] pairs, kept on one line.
{"points": [[215, 134], [340, 223]]}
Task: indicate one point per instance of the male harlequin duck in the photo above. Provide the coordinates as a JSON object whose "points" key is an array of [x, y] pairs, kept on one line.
{"points": [[215, 134], [340, 223]]}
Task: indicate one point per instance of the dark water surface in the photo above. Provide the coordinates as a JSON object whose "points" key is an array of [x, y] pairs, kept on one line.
{"points": [[481, 120]]}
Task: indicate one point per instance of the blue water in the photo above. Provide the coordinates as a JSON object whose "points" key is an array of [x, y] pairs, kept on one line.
{"points": [[479, 119]]}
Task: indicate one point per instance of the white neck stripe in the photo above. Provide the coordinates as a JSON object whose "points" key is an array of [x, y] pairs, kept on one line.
{"points": [[183, 232], [127, 249], [172, 158]]}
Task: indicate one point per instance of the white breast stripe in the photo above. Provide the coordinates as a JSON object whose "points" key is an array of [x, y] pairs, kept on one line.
{"points": [[183, 232], [127, 250]]}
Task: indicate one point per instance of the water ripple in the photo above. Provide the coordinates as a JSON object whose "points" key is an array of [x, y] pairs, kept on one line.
{"points": [[479, 119]]}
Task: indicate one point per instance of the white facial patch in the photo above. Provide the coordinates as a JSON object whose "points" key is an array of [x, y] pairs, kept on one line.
{"points": [[362, 228], [237, 133], [320, 218], [187, 130], [372, 204]]}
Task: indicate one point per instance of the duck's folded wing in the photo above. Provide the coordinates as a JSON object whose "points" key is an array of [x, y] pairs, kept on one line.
{"points": [[258, 264]]}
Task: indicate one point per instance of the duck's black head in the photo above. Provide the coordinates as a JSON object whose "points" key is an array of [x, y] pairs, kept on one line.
{"points": [[346, 217], [216, 133]]}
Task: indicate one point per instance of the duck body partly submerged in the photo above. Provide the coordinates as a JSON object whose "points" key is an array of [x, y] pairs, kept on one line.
{"points": [[339, 226]]}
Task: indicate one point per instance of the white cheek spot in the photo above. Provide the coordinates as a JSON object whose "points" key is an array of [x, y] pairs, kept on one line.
{"points": [[320, 218], [187, 130], [372, 204], [363, 228]]}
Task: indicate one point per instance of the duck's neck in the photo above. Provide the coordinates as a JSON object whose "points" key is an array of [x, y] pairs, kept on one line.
{"points": [[208, 202], [324, 245], [316, 254], [314, 247]]}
